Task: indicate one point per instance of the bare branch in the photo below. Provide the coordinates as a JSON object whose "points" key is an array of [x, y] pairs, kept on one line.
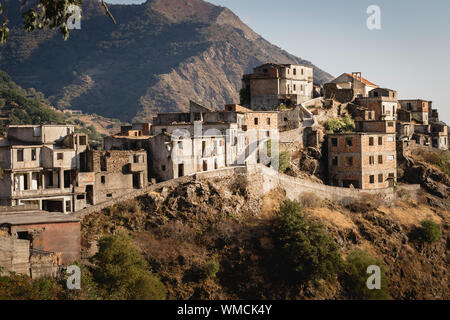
{"points": [[107, 12]]}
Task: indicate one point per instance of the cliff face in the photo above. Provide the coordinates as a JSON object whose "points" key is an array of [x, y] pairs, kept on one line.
{"points": [[160, 55]]}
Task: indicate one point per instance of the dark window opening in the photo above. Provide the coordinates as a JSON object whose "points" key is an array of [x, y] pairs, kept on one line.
{"points": [[33, 154], [335, 161], [349, 142], [20, 155], [334, 142], [103, 179], [349, 161], [67, 179], [372, 179], [83, 140], [371, 141], [60, 156], [180, 170]]}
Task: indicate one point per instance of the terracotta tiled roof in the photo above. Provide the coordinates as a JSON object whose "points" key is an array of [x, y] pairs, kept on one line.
{"points": [[365, 81]]}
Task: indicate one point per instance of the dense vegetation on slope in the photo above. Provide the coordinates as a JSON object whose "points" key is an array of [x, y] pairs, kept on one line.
{"points": [[160, 55], [28, 106], [20, 106]]}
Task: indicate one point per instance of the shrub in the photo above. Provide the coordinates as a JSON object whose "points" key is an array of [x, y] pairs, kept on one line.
{"points": [[121, 271], [365, 203], [355, 277], [22, 287], [285, 161], [310, 200], [428, 231], [210, 269], [337, 125], [307, 252]]}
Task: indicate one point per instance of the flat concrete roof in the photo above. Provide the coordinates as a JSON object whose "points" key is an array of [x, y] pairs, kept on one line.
{"points": [[36, 217]]}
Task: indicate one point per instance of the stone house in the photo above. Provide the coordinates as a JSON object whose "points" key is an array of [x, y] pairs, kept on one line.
{"points": [[177, 155], [347, 87], [53, 168], [37, 243], [40, 166], [418, 109], [383, 102], [365, 159], [271, 85], [114, 172]]}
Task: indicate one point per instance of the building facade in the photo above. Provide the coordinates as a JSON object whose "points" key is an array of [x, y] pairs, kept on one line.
{"points": [[271, 85], [365, 160]]}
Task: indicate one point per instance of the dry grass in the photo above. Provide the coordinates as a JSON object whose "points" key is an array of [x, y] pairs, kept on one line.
{"points": [[271, 203], [310, 200], [411, 216], [334, 217]]}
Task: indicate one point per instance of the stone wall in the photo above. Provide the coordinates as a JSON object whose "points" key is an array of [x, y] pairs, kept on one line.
{"points": [[295, 187], [261, 180], [332, 91], [14, 255]]}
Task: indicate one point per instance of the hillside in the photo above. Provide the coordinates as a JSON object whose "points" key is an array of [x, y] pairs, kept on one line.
{"points": [[222, 226], [28, 106], [160, 55]]}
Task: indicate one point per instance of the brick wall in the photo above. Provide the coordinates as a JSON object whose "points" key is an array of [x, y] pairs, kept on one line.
{"points": [[61, 237]]}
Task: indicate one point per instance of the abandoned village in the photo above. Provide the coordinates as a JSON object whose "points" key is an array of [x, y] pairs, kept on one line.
{"points": [[52, 178]]}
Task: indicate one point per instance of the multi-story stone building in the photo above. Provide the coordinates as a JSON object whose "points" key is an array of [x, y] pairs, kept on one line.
{"points": [[418, 108], [40, 165], [383, 102], [51, 167], [365, 159], [273, 84]]}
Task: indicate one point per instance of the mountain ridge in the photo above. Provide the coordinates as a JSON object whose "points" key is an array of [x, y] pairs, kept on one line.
{"points": [[160, 55]]}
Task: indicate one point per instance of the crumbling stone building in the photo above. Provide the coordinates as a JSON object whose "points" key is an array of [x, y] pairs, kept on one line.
{"points": [[271, 85], [53, 168], [419, 122], [347, 87], [40, 165], [38, 243], [115, 172]]}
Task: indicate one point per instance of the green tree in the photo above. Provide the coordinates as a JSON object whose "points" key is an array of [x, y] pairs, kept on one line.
{"points": [[285, 161], [429, 231], [37, 15], [122, 272], [355, 277], [337, 125], [307, 252]]}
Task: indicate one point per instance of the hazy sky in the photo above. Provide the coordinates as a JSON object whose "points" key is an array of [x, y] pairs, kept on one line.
{"points": [[410, 53]]}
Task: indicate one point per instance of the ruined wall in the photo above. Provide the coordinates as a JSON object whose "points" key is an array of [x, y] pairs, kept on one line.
{"points": [[331, 91], [267, 179], [14, 255], [61, 237]]}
